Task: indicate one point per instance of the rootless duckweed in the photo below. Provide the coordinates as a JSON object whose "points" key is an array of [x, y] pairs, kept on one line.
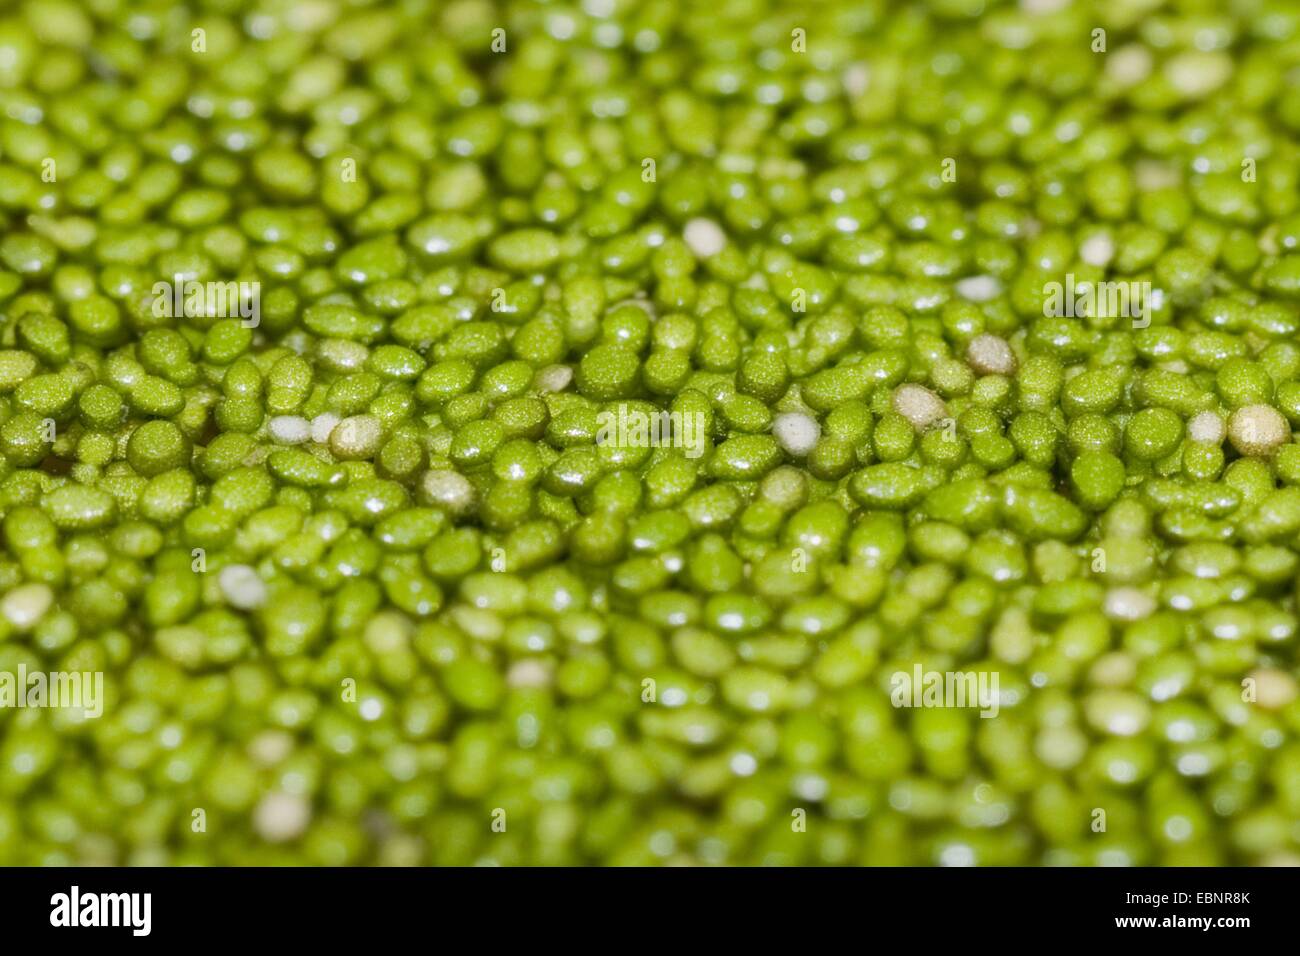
{"points": [[313, 317]]}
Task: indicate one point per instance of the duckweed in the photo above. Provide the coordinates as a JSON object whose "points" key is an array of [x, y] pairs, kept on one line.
{"points": [[553, 450]]}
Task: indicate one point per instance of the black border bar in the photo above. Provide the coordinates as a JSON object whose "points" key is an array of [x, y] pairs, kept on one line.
{"points": [[550, 907]]}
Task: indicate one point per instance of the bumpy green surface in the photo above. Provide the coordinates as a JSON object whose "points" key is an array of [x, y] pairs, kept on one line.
{"points": [[366, 588]]}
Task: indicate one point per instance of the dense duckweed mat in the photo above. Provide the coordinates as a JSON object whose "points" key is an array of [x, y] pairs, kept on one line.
{"points": [[631, 433]]}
